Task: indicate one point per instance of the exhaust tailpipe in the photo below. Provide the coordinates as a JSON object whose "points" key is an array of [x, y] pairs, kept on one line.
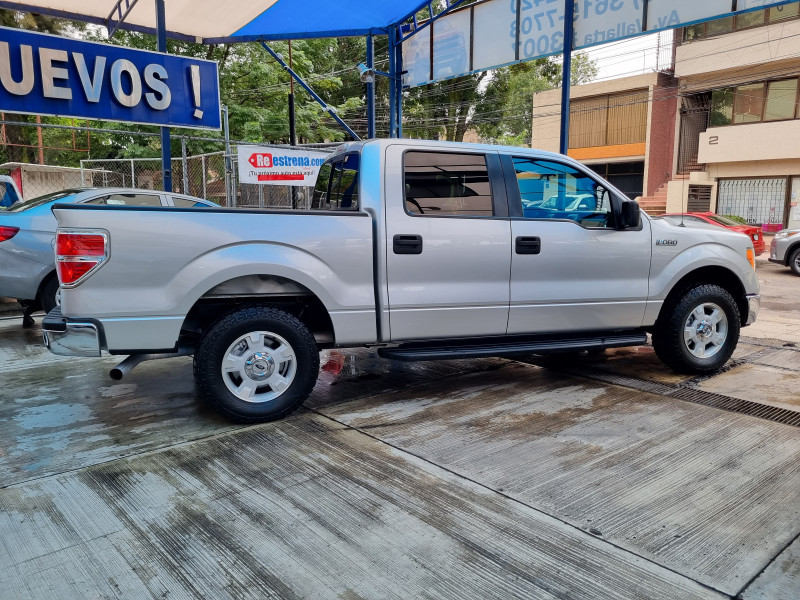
{"points": [[128, 364]]}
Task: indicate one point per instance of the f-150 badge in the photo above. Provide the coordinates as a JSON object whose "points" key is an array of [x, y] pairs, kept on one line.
{"points": [[666, 242]]}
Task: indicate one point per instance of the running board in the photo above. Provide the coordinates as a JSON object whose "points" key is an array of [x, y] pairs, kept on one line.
{"points": [[477, 348]]}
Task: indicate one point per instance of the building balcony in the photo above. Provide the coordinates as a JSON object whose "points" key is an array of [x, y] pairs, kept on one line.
{"points": [[776, 140], [739, 49]]}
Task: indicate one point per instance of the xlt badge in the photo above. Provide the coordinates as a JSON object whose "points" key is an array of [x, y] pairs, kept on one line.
{"points": [[666, 242]]}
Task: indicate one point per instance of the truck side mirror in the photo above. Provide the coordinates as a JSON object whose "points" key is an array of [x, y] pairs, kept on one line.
{"points": [[630, 215]]}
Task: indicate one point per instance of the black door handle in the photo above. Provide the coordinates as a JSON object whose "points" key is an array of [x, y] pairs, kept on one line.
{"points": [[407, 244], [527, 245]]}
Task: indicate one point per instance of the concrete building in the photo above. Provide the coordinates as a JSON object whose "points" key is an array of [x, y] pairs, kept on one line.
{"points": [[622, 128], [740, 116], [722, 135]]}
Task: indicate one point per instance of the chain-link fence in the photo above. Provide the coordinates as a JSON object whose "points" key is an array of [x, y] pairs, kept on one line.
{"points": [[212, 175]]}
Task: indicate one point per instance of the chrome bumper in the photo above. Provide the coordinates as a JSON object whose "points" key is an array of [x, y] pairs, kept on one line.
{"points": [[753, 304], [70, 338]]}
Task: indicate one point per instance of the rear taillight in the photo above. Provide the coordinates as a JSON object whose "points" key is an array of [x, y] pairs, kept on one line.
{"points": [[6, 233], [78, 253]]}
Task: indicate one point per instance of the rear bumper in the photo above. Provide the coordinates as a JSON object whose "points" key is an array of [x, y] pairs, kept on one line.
{"points": [[753, 305], [777, 261], [70, 338]]}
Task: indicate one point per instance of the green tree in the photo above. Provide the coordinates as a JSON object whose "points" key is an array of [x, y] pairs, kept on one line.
{"points": [[506, 114], [498, 104]]}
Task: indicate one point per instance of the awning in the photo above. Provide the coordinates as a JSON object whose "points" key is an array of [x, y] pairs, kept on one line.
{"points": [[217, 21]]}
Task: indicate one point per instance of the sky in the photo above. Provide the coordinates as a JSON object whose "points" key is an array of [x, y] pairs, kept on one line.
{"points": [[631, 57]]}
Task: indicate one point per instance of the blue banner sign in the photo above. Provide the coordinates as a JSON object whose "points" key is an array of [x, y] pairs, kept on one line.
{"points": [[50, 75]]}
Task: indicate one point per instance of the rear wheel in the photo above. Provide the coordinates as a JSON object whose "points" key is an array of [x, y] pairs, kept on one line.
{"points": [[699, 332], [256, 364], [51, 295], [794, 262]]}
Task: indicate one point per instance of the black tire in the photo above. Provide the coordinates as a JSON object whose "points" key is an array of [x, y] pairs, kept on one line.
{"points": [[248, 342], [794, 261], [699, 331], [48, 298]]}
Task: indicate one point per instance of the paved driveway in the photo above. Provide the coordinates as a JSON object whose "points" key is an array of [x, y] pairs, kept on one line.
{"points": [[593, 477]]}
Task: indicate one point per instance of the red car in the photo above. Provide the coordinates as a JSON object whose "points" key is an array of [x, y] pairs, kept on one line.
{"points": [[755, 233]]}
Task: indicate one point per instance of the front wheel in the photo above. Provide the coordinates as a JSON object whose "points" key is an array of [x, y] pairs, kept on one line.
{"points": [[256, 364], [699, 332], [794, 262]]}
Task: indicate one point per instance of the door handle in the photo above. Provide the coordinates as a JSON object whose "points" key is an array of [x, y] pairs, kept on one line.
{"points": [[407, 244], [527, 245]]}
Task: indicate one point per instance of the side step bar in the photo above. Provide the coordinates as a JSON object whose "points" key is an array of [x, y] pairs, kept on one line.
{"points": [[477, 348]]}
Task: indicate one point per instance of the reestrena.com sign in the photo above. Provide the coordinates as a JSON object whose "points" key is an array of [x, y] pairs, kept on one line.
{"points": [[50, 75], [273, 165]]}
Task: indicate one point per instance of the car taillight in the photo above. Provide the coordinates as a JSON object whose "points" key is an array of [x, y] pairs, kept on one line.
{"points": [[78, 253], [6, 232]]}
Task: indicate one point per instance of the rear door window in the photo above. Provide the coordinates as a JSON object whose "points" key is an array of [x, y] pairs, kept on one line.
{"points": [[187, 203], [127, 200], [447, 184]]}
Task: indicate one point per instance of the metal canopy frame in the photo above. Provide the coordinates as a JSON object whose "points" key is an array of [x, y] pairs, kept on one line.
{"points": [[396, 32]]}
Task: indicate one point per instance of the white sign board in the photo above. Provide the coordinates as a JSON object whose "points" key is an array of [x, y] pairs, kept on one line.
{"points": [[597, 22], [271, 165], [495, 33], [494, 38], [451, 42]]}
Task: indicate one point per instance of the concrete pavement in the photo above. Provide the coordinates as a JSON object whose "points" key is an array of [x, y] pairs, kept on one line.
{"points": [[593, 477]]}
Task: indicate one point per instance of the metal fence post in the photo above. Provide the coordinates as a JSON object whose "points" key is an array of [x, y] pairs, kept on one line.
{"points": [[133, 175], [185, 166], [205, 177], [228, 166]]}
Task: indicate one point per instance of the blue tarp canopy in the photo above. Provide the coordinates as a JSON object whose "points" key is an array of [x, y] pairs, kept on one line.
{"points": [[321, 18], [218, 21]]}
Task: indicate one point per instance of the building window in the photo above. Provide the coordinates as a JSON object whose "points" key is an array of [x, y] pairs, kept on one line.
{"points": [[608, 120], [754, 102], [781, 100], [748, 103], [748, 20]]}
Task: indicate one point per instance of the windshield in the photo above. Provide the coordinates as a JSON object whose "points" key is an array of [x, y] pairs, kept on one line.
{"points": [[34, 202], [726, 221]]}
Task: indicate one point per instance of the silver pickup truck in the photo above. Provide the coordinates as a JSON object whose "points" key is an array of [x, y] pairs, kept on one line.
{"points": [[427, 250]]}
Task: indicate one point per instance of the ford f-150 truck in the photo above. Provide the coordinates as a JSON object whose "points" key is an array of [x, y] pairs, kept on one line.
{"points": [[427, 250]]}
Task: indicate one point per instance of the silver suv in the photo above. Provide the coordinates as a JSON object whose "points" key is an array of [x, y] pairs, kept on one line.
{"points": [[785, 249]]}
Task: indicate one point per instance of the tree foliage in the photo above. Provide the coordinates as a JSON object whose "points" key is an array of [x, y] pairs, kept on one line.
{"points": [[497, 104]]}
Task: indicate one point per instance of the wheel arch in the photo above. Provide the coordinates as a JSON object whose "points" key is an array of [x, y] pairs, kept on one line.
{"points": [[712, 275], [48, 277], [787, 257], [261, 290]]}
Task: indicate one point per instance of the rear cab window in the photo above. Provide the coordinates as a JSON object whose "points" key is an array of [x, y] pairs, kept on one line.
{"points": [[337, 184]]}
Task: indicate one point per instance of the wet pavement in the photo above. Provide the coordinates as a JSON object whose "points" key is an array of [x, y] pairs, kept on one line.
{"points": [[598, 476]]}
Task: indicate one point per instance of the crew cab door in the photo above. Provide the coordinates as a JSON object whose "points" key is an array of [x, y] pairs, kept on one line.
{"points": [[448, 247], [571, 269]]}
